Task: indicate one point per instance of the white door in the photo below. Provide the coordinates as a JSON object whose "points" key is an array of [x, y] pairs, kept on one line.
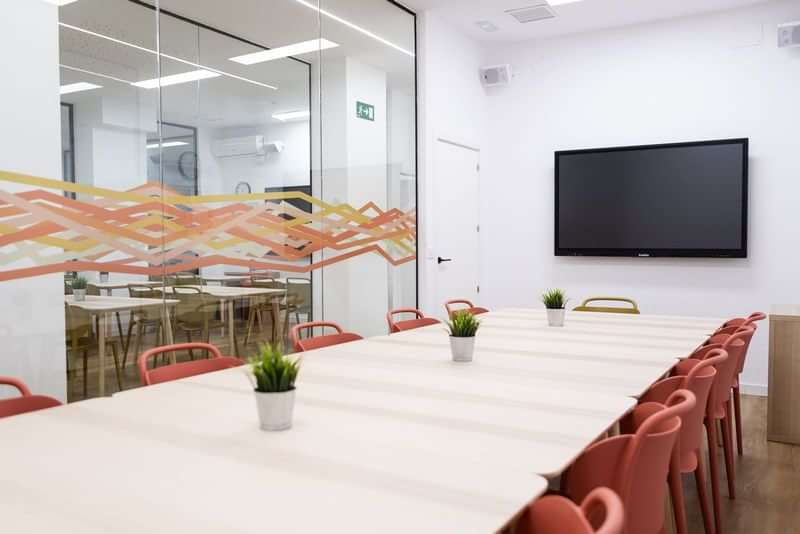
{"points": [[456, 249]]}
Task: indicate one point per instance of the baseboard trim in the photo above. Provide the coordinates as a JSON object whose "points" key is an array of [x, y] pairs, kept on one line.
{"points": [[759, 390]]}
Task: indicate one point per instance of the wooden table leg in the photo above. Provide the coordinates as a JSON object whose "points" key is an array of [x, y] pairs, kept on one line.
{"points": [[101, 354], [167, 325], [231, 327], [276, 318]]}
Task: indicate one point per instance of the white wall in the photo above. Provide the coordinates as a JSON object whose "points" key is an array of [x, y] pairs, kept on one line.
{"points": [[32, 314], [452, 104], [705, 77]]}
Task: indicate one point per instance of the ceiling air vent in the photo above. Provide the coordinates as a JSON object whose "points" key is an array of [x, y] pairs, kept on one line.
{"points": [[532, 13]]}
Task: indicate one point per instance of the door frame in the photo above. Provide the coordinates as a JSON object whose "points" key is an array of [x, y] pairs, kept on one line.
{"points": [[428, 268]]}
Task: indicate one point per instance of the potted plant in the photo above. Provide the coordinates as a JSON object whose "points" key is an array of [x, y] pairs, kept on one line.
{"points": [[103, 277], [274, 376], [555, 302], [79, 288], [462, 327]]}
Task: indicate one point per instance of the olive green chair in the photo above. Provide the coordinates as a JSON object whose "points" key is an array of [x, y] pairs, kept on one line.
{"points": [[587, 306]]}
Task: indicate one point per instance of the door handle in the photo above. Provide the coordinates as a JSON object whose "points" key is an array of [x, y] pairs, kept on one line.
{"points": [[442, 260]]}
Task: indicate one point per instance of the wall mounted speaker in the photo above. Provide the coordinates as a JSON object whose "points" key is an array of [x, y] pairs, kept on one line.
{"points": [[789, 34], [495, 75]]}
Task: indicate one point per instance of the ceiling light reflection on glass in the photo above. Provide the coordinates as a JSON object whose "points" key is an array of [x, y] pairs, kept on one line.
{"points": [[168, 144], [78, 87], [175, 79], [285, 51], [291, 116], [354, 27]]}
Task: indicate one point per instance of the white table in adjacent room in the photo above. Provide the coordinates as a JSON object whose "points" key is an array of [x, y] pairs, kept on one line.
{"points": [[101, 306], [227, 295]]}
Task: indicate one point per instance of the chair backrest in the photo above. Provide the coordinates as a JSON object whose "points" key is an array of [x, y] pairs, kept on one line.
{"points": [[26, 402], [176, 371], [734, 346], [587, 307], [267, 283], [298, 294], [408, 324], [184, 279], [310, 343], [78, 323], [460, 305], [699, 379], [92, 290], [750, 320], [635, 466], [192, 306], [556, 515], [724, 333]]}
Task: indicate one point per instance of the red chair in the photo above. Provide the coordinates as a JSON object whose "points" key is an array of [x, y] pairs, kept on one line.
{"points": [[687, 457], [731, 327], [27, 402], [635, 465], [311, 343], [719, 409], [557, 515], [474, 310], [408, 324], [176, 371]]}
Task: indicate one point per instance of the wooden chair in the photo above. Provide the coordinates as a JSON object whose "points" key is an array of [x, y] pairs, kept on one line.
{"points": [[81, 338], [586, 307]]}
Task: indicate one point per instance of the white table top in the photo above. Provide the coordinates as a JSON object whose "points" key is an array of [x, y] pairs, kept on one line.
{"points": [[232, 292], [123, 284], [101, 304], [225, 278], [664, 321], [188, 457]]}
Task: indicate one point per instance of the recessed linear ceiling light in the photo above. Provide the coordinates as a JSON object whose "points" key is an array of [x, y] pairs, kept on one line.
{"points": [[354, 27], [291, 115], [77, 87], [168, 144], [284, 51], [60, 2], [175, 79], [561, 2], [173, 58]]}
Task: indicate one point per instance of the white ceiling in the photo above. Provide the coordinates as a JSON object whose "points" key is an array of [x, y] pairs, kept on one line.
{"points": [[582, 16]]}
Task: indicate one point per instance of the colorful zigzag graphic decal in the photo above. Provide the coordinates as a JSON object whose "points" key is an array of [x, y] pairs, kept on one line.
{"points": [[152, 230]]}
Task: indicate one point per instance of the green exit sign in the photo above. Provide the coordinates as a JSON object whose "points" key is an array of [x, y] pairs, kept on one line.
{"points": [[365, 111]]}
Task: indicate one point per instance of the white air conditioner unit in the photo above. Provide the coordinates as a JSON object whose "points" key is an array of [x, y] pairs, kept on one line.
{"points": [[251, 145]]}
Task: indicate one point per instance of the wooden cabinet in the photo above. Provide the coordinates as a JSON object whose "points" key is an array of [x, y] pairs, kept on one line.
{"points": [[783, 420]]}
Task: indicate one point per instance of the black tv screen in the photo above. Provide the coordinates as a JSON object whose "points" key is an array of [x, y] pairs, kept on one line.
{"points": [[672, 200]]}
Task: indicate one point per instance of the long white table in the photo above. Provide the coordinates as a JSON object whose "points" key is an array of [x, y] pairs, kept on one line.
{"points": [[389, 435], [189, 457]]}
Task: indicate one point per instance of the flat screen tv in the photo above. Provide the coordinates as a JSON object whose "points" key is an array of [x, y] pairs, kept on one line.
{"points": [[671, 200]]}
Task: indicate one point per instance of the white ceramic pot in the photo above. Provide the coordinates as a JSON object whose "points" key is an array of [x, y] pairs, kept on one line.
{"points": [[462, 348], [79, 294], [555, 317], [275, 410], [103, 278]]}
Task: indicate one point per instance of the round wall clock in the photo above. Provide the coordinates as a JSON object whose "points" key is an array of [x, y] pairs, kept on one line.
{"points": [[243, 188]]}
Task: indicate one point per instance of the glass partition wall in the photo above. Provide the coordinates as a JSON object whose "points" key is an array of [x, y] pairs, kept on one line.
{"points": [[224, 173]]}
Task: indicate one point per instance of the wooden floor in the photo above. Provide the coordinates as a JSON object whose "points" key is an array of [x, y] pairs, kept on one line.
{"points": [[767, 482]]}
